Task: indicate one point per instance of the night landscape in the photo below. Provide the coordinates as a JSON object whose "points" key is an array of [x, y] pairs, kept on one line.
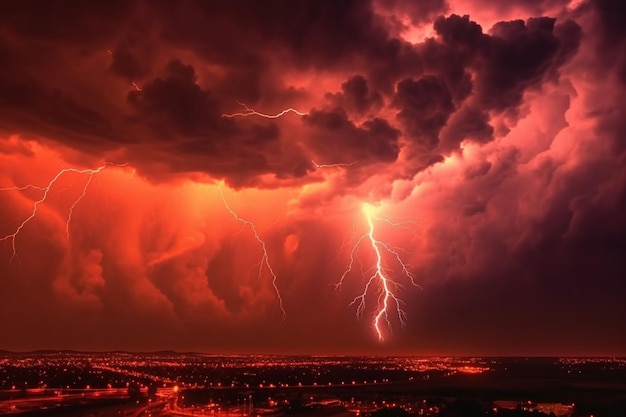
{"points": [[173, 384], [377, 208]]}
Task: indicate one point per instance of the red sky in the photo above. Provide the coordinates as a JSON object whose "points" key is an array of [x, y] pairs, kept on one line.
{"points": [[485, 142]]}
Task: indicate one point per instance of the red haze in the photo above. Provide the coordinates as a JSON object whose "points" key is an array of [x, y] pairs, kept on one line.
{"points": [[491, 137]]}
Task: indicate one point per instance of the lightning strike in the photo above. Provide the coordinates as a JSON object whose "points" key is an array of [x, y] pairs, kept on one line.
{"points": [[387, 299], [251, 112], [24, 188], [12, 237], [337, 165], [80, 197], [265, 260]]}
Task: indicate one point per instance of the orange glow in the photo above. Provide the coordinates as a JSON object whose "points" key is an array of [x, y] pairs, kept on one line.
{"points": [[291, 244], [377, 146], [265, 260], [472, 369], [46, 190]]}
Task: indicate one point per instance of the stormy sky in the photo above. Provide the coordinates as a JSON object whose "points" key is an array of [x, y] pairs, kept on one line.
{"points": [[339, 177]]}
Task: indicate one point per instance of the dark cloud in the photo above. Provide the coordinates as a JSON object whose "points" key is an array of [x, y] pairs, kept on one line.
{"points": [[611, 14], [611, 45], [193, 135], [356, 96], [336, 139], [424, 107], [177, 102], [467, 123], [461, 32], [178, 109], [68, 21], [43, 111], [126, 64], [313, 33], [530, 211], [479, 73], [517, 55]]}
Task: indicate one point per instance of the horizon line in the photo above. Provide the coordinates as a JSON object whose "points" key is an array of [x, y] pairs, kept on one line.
{"points": [[337, 355]]}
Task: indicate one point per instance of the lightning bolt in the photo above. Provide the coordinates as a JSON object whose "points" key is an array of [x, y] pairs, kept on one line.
{"points": [[387, 299], [70, 213], [12, 237], [251, 112], [265, 260], [339, 164]]}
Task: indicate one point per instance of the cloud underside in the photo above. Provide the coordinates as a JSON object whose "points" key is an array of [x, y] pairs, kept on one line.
{"points": [[502, 145]]}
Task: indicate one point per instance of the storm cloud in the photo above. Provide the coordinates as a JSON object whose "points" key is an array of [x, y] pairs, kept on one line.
{"points": [[487, 140]]}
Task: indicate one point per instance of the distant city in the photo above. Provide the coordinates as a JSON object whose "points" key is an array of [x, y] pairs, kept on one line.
{"points": [[70, 383]]}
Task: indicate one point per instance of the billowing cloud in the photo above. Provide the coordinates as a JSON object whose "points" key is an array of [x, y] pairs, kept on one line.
{"points": [[487, 141]]}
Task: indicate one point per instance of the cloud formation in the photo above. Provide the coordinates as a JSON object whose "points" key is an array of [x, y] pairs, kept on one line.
{"points": [[492, 136]]}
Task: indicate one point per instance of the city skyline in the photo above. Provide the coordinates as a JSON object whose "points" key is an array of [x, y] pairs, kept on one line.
{"points": [[381, 177]]}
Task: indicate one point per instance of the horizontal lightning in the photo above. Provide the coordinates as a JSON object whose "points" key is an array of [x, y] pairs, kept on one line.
{"points": [[337, 165], [251, 112]]}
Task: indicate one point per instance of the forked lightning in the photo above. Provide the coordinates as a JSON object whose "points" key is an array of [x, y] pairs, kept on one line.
{"points": [[386, 288]]}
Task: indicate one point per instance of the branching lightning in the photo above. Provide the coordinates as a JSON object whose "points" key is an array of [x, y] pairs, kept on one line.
{"points": [[387, 298], [251, 112], [90, 173], [265, 260]]}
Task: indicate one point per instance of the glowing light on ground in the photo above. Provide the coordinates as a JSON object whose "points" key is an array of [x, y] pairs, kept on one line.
{"points": [[90, 173], [265, 260], [388, 301], [251, 112]]}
